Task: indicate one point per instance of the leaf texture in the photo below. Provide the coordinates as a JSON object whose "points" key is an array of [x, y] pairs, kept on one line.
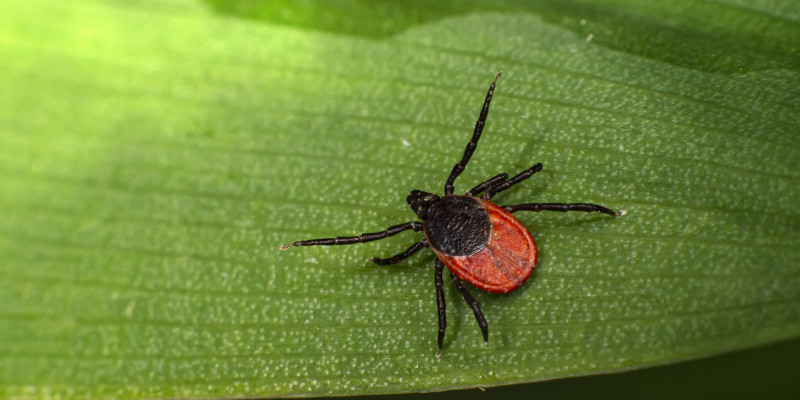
{"points": [[156, 154]]}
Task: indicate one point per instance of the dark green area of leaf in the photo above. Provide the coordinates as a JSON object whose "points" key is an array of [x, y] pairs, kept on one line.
{"points": [[156, 154], [768, 372], [725, 37]]}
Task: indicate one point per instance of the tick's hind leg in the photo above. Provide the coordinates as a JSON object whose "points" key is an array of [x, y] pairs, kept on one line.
{"points": [[440, 304], [562, 207], [402, 256], [364, 237], [459, 284]]}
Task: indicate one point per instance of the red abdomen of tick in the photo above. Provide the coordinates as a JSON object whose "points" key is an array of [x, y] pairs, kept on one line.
{"points": [[507, 260]]}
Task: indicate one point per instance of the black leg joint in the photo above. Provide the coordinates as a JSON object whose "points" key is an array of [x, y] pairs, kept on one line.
{"points": [[473, 143], [363, 238], [491, 192], [440, 304], [488, 184], [459, 284], [402, 256], [561, 207]]}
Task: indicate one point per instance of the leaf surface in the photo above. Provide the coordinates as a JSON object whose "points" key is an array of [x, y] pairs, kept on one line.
{"points": [[156, 154]]}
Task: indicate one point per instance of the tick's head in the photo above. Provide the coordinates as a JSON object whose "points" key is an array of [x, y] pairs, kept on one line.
{"points": [[421, 201]]}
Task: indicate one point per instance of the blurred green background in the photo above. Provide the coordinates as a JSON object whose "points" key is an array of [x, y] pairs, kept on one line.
{"points": [[156, 153]]}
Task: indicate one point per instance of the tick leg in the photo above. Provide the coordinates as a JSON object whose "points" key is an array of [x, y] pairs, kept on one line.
{"points": [[475, 307], [499, 178], [440, 305], [473, 143], [562, 207], [511, 182], [364, 237], [402, 256]]}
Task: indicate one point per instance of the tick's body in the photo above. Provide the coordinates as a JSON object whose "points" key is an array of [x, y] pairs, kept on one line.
{"points": [[477, 240], [481, 243]]}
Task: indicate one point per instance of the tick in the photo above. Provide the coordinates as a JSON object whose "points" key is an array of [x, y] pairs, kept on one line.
{"points": [[478, 241]]}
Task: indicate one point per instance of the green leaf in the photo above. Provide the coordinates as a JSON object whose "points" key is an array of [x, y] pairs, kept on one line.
{"points": [[155, 154]]}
